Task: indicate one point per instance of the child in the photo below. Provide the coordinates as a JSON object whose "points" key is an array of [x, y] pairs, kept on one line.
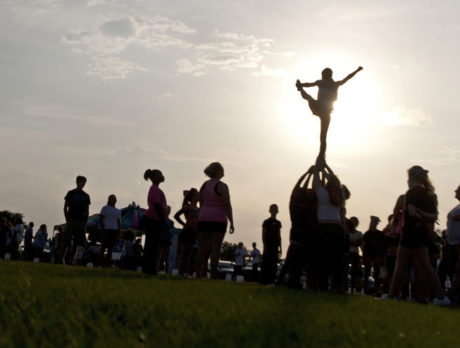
{"points": [[323, 105]]}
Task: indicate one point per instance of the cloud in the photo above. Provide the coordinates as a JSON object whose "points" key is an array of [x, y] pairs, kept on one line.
{"points": [[118, 28], [264, 71], [402, 116], [184, 66], [113, 68]]}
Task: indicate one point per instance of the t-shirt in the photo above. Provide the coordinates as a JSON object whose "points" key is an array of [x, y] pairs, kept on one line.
{"points": [[239, 257], [374, 243], [355, 241], [326, 210], [155, 195], [255, 254], [421, 199], [111, 216], [28, 235], [453, 227], [78, 202], [40, 238], [18, 231], [272, 235]]}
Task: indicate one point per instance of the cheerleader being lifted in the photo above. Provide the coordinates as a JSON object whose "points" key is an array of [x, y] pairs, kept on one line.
{"points": [[323, 105]]}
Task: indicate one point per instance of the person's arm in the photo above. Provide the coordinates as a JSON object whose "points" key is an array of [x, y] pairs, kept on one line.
{"points": [[279, 244], [339, 83], [421, 214], [66, 209], [456, 217], [222, 189], [300, 85], [316, 178], [177, 217], [119, 226], [159, 210]]}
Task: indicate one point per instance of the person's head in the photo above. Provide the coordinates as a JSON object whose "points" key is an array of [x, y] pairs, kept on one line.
{"points": [[112, 200], [81, 182], [154, 175], [31, 224], [191, 196], [419, 176], [375, 220], [457, 193], [240, 245], [214, 171], [355, 221], [390, 218], [346, 192], [18, 221], [334, 188], [254, 245], [273, 209], [43, 227], [326, 74]]}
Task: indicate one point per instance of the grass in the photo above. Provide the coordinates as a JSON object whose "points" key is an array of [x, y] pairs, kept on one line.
{"points": [[52, 305]]}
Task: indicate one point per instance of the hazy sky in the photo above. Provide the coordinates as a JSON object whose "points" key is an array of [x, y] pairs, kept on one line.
{"points": [[108, 88]]}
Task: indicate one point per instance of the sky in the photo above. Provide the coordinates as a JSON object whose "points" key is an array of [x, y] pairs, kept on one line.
{"points": [[109, 88]]}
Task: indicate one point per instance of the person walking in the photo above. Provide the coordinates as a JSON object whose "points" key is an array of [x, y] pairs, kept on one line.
{"points": [[215, 211]]}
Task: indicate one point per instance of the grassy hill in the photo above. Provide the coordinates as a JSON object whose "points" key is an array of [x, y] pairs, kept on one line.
{"points": [[51, 305]]}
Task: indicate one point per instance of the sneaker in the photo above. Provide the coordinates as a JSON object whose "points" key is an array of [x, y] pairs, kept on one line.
{"points": [[441, 302]]}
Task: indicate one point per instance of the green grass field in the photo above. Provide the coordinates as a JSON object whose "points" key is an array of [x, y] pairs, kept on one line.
{"points": [[51, 305]]}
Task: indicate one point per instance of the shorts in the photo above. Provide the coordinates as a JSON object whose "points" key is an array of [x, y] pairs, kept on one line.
{"points": [[319, 108], [212, 226], [76, 231], [109, 237]]}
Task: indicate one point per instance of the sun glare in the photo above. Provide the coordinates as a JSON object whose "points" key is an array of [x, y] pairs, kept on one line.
{"points": [[353, 125]]}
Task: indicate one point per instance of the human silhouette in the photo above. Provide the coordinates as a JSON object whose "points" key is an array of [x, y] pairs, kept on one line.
{"points": [[323, 105]]}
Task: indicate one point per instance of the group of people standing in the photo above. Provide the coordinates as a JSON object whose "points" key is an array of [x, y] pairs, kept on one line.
{"points": [[13, 232], [325, 242]]}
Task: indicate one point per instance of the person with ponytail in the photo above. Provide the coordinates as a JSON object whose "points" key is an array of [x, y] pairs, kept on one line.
{"points": [[154, 220], [330, 231], [420, 213], [188, 236], [215, 211]]}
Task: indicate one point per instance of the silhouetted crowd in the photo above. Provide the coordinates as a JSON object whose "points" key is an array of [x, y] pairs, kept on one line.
{"points": [[407, 259]]}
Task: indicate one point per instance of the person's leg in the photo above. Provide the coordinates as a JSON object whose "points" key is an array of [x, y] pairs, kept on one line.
{"points": [[455, 287], [402, 259], [66, 242], [216, 243], [202, 253], [185, 255], [325, 121], [428, 277]]}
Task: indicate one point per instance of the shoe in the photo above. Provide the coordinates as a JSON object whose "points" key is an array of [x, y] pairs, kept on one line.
{"points": [[442, 302]]}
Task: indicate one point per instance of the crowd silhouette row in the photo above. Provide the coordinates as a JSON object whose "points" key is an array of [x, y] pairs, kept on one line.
{"points": [[406, 260]]}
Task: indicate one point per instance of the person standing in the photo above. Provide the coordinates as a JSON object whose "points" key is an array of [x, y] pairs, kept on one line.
{"points": [[373, 252], [271, 237], [5, 231], [420, 213], [453, 241], [331, 235], [111, 230], [188, 236], [240, 255], [255, 259], [76, 212], [215, 211], [28, 243], [41, 237], [154, 220], [17, 235], [356, 240]]}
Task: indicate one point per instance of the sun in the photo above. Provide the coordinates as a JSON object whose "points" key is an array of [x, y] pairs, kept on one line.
{"points": [[353, 125]]}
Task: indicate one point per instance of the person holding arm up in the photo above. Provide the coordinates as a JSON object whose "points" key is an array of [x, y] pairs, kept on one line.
{"points": [[323, 105]]}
